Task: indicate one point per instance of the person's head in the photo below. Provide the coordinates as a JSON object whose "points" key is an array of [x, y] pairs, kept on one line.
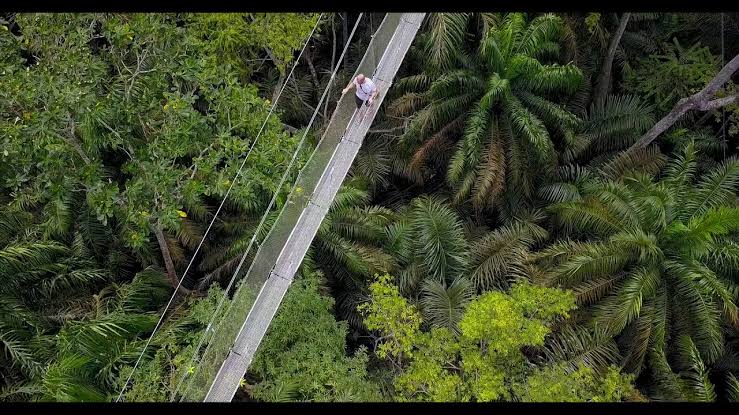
{"points": [[360, 78]]}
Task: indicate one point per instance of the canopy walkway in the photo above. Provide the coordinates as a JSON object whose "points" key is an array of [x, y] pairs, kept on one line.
{"points": [[280, 254]]}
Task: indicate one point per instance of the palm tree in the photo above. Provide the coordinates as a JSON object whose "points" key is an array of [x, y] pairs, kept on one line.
{"points": [[442, 262], [76, 354], [350, 247], [69, 314], [652, 261], [42, 281], [499, 96]]}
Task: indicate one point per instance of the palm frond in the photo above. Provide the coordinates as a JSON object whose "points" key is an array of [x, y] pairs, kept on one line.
{"points": [[618, 310], [490, 175], [551, 79], [68, 380], [616, 122], [414, 83], [530, 127], [439, 238], [697, 380], [12, 222], [592, 260], [145, 293], [19, 258], [447, 35], [373, 162], [647, 160], [542, 30], [568, 185], [704, 324], [443, 306], [500, 255], [577, 345], [717, 188], [733, 387], [588, 215], [15, 348]]}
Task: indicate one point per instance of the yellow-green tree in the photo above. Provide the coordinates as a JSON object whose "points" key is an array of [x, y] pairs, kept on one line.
{"points": [[485, 362]]}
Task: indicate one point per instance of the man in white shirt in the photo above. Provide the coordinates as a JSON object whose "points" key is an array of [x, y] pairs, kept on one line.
{"points": [[366, 90]]}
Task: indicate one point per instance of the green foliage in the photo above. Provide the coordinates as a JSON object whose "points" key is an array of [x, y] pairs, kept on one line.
{"points": [[502, 92], [80, 359], [304, 352], [237, 37], [147, 127], [118, 128], [390, 313], [556, 384], [507, 321], [113, 125], [485, 361], [170, 353], [688, 69], [643, 248]]}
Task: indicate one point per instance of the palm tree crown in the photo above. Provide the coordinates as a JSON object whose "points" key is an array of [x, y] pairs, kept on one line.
{"points": [[499, 96], [654, 260]]}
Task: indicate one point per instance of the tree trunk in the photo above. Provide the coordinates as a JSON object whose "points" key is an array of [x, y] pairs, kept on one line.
{"points": [[701, 100], [278, 87], [168, 264], [281, 79], [314, 75], [604, 78], [297, 94], [71, 139], [290, 128]]}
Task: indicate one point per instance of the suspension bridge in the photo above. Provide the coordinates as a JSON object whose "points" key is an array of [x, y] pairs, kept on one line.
{"points": [[234, 335]]}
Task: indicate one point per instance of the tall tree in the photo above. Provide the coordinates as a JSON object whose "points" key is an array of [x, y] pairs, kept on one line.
{"points": [[485, 361], [146, 131], [509, 84], [654, 259]]}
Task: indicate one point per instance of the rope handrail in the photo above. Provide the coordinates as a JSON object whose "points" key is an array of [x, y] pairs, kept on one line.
{"points": [[215, 216]]}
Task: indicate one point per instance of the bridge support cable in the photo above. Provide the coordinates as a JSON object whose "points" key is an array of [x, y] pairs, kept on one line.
{"points": [[282, 252], [218, 211]]}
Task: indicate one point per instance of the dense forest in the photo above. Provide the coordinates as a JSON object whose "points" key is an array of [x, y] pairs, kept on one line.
{"points": [[545, 208]]}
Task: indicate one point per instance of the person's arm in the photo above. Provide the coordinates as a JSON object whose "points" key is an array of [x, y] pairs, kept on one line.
{"points": [[373, 96], [349, 86]]}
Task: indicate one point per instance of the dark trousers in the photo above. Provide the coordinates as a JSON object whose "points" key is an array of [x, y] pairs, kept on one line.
{"points": [[359, 102]]}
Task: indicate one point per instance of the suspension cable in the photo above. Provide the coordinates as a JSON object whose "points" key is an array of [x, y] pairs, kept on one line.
{"points": [[263, 219], [723, 108], [215, 216]]}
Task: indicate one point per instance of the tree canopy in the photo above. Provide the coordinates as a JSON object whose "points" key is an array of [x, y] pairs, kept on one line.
{"points": [[543, 210]]}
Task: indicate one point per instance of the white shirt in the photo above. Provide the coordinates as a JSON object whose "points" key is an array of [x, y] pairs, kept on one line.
{"points": [[365, 89]]}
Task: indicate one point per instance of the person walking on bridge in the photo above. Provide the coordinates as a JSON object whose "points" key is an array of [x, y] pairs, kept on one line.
{"points": [[366, 90]]}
